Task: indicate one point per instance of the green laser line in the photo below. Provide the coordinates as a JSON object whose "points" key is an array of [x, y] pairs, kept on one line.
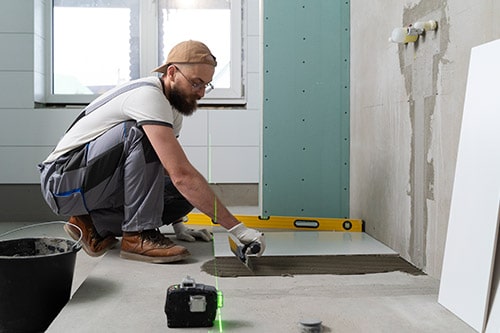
{"points": [[209, 158], [215, 209], [219, 312]]}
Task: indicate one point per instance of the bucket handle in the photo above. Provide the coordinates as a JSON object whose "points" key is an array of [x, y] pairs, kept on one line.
{"points": [[74, 246]]}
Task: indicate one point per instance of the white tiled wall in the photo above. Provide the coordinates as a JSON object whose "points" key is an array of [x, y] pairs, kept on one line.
{"points": [[222, 144], [17, 16]]}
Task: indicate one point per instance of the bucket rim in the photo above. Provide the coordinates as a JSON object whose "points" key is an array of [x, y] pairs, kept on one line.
{"points": [[72, 249], [77, 244]]}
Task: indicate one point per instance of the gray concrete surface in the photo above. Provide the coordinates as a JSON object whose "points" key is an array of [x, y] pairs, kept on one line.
{"points": [[117, 295], [111, 294]]}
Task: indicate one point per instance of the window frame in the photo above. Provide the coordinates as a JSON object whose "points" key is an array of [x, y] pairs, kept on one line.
{"points": [[149, 55]]}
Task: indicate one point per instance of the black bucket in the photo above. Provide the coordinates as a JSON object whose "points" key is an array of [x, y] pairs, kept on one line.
{"points": [[36, 275]]}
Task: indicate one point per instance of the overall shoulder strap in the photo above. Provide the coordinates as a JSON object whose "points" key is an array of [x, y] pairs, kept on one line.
{"points": [[98, 103]]}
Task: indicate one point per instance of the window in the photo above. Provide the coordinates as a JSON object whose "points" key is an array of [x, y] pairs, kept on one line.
{"points": [[99, 44]]}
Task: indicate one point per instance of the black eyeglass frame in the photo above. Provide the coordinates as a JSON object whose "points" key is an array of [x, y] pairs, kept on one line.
{"points": [[197, 86]]}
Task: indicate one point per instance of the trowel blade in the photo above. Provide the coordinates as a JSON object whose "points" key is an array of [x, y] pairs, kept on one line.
{"points": [[239, 252]]}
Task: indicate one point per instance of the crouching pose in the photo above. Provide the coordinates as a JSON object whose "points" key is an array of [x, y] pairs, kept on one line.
{"points": [[119, 170]]}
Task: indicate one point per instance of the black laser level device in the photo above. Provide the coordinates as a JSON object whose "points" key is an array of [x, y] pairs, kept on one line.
{"points": [[191, 304]]}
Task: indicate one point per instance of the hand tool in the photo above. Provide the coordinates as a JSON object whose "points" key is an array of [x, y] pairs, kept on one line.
{"points": [[241, 251]]}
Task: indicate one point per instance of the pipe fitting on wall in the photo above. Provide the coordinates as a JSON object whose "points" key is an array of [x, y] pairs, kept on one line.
{"points": [[401, 35], [430, 25], [411, 33]]}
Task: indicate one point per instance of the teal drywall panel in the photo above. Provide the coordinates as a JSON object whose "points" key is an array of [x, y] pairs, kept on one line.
{"points": [[305, 162]]}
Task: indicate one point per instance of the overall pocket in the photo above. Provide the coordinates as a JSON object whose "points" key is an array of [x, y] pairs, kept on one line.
{"points": [[62, 182], [70, 203]]}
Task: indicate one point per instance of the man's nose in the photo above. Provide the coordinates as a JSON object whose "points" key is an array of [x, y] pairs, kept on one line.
{"points": [[200, 92]]}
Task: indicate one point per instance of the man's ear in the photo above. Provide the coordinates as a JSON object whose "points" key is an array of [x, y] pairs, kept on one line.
{"points": [[170, 71]]}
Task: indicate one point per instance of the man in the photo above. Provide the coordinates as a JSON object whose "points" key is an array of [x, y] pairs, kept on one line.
{"points": [[120, 171]]}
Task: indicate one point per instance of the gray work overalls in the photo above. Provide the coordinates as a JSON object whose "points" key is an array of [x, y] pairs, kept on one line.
{"points": [[117, 178]]}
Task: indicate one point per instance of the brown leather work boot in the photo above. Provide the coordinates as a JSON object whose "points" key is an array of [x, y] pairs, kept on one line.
{"points": [[93, 244], [151, 246]]}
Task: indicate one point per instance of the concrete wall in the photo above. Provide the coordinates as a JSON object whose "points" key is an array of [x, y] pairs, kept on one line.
{"points": [[406, 110]]}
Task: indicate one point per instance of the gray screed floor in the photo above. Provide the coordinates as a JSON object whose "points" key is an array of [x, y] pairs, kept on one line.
{"points": [[110, 294]]}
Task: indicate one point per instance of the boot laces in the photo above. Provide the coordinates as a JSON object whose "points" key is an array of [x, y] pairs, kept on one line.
{"points": [[156, 237]]}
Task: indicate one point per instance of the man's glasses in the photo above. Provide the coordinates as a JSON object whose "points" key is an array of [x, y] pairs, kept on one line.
{"points": [[197, 86]]}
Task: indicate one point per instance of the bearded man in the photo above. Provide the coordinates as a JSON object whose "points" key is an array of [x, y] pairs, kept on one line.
{"points": [[119, 170]]}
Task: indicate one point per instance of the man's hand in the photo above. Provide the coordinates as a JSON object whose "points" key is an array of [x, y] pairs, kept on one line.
{"points": [[191, 235], [246, 236]]}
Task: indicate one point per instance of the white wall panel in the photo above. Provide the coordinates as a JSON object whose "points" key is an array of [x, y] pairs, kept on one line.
{"points": [[198, 157], [17, 16], [234, 128], [39, 82], [39, 55], [16, 90], [253, 65], [18, 164], [34, 127], [253, 22], [17, 52], [234, 165], [254, 92], [473, 224], [195, 129], [39, 25]]}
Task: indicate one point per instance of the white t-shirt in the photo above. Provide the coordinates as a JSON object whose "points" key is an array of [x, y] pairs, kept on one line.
{"points": [[145, 103]]}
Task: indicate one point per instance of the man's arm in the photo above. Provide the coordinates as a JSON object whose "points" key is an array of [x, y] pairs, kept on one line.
{"points": [[190, 183]]}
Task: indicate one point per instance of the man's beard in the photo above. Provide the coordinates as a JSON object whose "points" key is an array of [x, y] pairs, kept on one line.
{"points": [[181, 102]]}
